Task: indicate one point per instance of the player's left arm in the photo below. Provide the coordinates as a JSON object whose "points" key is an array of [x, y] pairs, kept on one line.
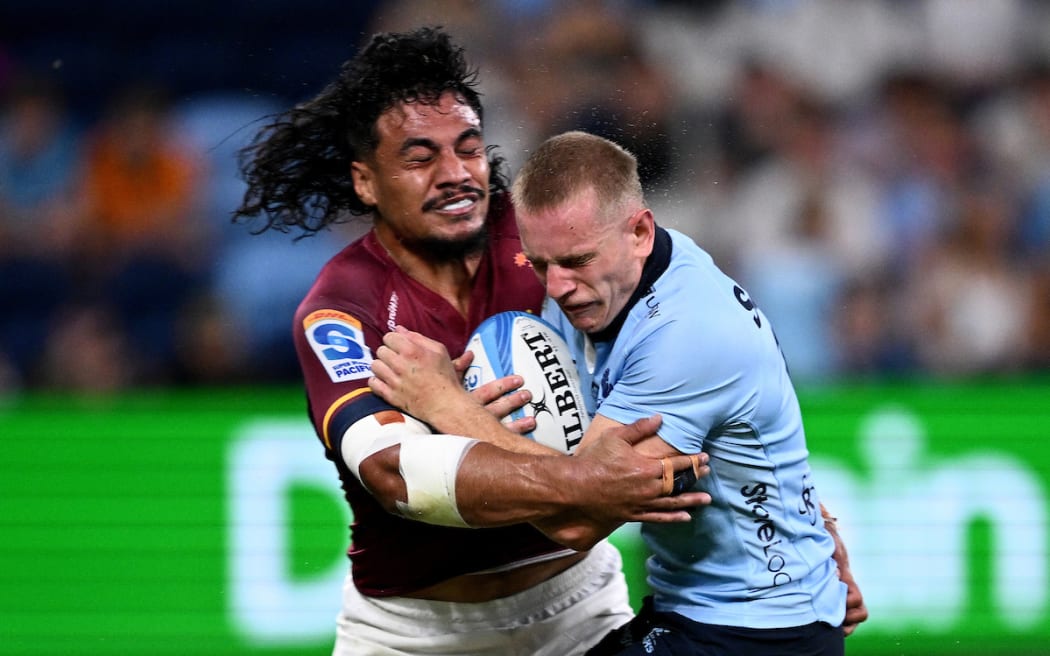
{"points": [[856, 611]]}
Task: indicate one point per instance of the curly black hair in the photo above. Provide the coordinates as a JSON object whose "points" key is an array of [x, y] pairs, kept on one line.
{"points": [[298, 166]]}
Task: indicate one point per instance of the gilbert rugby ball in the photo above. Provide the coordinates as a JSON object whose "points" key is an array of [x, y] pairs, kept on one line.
{"points": [[524, 344]]}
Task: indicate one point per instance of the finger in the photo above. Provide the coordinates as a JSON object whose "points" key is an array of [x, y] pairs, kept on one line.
{"points": [[400, 344], [510, 383], [663, 517], [680, 503], [379, 388], [462, 363], [671, 509], [681, 472], [392, 340], [522, 426], [494, 390], [853, 618], [382, 371], [507, 404], [640, 429], [390, 357], [420, 340]]}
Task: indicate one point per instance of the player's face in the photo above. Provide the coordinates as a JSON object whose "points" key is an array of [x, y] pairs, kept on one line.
{"points": [[429, 176], [589, 264]]}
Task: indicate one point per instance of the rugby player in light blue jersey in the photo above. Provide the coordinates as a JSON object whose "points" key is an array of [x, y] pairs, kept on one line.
{"points": [[657, 328]]}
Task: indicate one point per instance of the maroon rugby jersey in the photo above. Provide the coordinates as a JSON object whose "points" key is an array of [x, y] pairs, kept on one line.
{"points": [[359, 295]]}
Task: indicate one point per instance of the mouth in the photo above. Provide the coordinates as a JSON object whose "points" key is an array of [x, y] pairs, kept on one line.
{"points": [[457, 205], [460, 203], [575, 309]]}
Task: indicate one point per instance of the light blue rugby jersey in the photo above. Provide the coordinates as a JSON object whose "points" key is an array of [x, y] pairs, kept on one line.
{"points": [[694, 348]]}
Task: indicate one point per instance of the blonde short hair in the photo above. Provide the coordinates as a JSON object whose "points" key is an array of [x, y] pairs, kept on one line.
{"points": [[572, 162]]}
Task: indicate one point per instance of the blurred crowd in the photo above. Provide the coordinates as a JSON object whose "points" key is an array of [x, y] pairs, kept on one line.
{"points": [[875, 172]]}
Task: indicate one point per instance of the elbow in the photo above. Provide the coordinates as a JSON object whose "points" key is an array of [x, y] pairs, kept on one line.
{"points": [[578, 538], [380, 476]]}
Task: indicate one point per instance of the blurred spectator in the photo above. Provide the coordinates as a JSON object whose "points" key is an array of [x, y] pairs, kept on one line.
{"points": [[797, 283], [87, 351], [803, 167], [1015, 128], [885, 165], [1038, 356], [38, 156], [239, 327], [594, 57], [971, 302], [926, 157], [142, 246], [869, 331]]}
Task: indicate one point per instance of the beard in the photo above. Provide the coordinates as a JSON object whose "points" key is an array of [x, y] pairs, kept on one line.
{"points": [[447, 250]]}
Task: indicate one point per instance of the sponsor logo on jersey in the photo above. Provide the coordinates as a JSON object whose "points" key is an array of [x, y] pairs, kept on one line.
{"points": [[339, 343], [601, 393], [756, 498], [391, 312]]}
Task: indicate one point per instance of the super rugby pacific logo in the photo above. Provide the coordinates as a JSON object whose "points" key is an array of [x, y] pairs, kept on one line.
{"points": [[567, 409], [339, 344]]}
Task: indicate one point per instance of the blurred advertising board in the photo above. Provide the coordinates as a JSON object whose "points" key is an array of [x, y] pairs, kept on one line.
{"points": [[208, 522]]}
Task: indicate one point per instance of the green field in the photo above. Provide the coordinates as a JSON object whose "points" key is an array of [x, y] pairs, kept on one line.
{"points": [[208, 522]]}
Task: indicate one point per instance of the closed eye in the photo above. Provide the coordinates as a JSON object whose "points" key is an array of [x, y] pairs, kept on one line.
{"points": [[576, 261]]}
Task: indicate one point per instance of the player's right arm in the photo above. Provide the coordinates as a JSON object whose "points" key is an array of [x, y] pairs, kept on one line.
{"points": [[454, 480], [416, 373], [458, 481]]}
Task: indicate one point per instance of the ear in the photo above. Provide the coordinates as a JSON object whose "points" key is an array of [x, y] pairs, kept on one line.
{"points": [[364, 182], [642, 226]]}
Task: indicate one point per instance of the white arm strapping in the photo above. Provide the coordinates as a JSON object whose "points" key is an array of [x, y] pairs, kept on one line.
{"points": [[429, 464]]}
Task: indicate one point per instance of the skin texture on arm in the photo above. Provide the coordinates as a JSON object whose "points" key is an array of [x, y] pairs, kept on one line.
{"points": [[619, 465], [570, 498], [593, 530]]}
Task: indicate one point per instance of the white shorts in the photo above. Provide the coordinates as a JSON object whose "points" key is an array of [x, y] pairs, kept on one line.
{"points": [[563, 616]]}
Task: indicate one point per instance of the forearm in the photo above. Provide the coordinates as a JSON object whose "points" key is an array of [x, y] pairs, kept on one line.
{"points": [[496, 487], [455, 481], [464, 416], [491, 486]]}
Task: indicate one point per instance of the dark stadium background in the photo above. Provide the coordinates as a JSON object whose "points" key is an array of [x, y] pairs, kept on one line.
{"points": [[875, 172]]}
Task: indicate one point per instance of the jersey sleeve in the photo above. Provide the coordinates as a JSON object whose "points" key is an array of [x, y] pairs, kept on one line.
{"points": [[696, 380], [335, 346]]}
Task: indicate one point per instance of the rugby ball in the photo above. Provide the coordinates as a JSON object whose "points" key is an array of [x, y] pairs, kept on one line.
{"points": [[524, 344]]}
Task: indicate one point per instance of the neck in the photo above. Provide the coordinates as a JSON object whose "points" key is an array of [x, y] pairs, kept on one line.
{"points": [[451, 277]]}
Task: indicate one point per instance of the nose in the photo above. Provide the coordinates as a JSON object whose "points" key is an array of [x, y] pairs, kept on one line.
{"points": [[451, 170], [559, 281]]}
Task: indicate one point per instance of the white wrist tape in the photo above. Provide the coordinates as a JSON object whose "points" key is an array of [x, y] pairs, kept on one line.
{"points": [[429, 464]]}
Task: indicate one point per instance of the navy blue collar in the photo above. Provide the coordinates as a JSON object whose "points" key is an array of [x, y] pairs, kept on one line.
{"points": [[654, 267]]}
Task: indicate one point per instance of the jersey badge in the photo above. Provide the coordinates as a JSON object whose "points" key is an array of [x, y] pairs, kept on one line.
{"points": [[339, 343]]}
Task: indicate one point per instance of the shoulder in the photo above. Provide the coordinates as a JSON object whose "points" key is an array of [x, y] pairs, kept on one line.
{"points": [[696, 313], [353, 281]]}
